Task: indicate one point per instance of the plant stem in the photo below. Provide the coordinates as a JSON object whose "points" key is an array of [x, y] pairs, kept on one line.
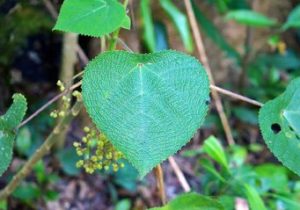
{"points": [[103, 44], [204, 60], [68, 61], [46, 105], [115, 35], [41, 151], [183, 182], [158, 173]]}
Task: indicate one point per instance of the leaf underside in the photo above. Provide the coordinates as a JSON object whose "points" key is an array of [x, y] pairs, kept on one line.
{"points": [[148, 106], [91, 17], [8, 122], [279, 121]]}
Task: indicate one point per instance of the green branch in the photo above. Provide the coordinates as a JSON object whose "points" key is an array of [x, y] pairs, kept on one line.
{"points": [[41, 151]]}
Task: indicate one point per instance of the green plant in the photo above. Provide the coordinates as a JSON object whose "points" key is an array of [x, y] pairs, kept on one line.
{"points": [[30, 191], [149, 105], [233, 176]]}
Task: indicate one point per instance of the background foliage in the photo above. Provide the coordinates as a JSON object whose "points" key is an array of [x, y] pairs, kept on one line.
{"points": [[252, 49]]}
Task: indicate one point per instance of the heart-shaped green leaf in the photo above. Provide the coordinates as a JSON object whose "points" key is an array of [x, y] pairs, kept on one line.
{"points": [[148, 105], [8, 122], [91, 17], [279, 121]]}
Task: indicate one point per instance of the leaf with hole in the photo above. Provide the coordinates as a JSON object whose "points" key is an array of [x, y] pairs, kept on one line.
{"points": [[191, 201], [279, 122], [91, 17], [8, 123], [148, 105]]}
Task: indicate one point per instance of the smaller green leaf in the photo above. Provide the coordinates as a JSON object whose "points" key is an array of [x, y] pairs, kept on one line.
{"points": [[289, 60], [148, 26], [272, 178], [124, 204], [274, 40], [215, 150], [293, 20], [221, 5], [126, 22], [253, 198], [126, 178], [68, 159], [207, 165], [237, 155], [27, 192], [228, 201], [181, 23], [23, 141], [40, 172], [191, 201], [291, 202], [15, 113], [8, 122], [250, 18], [91, 17], [3, 205], [51, 195]]}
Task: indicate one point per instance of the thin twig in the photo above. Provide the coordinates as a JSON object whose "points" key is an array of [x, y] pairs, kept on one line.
{"points": [[236, 96], [50, 8], [41, 151], [158, 172], [78, 75], [46, 105], [124, 45], [68, 61], [182, 180], [204, 60], [83, 57]]}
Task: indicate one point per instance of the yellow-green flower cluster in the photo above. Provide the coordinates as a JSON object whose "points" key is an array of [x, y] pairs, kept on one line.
{"points": [[97, 152], [66, 101]]}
